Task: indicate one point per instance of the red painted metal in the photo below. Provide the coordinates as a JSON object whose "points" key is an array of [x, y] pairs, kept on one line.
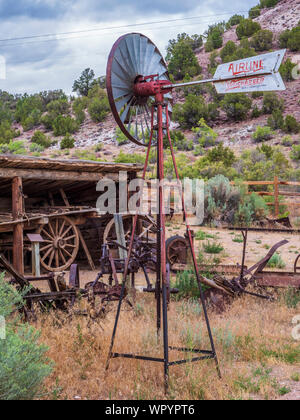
{"points": [[152, 88]]}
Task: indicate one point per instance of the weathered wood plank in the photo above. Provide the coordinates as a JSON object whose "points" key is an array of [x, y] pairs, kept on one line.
{"points": [[56, 175], [17, 212]]}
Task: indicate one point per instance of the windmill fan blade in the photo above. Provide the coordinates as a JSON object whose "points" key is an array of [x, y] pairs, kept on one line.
{"points": [[133, 55], [123, 101]]}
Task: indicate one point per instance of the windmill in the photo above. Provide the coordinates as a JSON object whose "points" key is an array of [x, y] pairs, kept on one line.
{"points": [[140, 94]]}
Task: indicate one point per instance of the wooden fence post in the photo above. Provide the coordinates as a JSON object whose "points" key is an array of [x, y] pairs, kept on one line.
{"points": [[276, 196]]}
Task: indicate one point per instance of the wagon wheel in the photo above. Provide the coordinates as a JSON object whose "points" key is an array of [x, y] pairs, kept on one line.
{"points": [[176, 249], [148, 229], [297, 265], [61, 244]]}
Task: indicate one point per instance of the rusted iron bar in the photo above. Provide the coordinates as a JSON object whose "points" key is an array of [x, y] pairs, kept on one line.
{"points": [[277, 279]]}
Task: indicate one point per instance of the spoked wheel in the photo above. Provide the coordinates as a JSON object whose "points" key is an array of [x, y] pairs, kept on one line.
{"points": [[146, 232], [176, 248], [297, 265], [61, 245]]}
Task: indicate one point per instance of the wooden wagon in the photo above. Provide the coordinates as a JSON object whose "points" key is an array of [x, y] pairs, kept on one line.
{"points": [[57, 200]]}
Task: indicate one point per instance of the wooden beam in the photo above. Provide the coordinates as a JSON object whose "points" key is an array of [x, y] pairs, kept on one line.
{"points": [[56, 175], [17, 213], [27, 224]]}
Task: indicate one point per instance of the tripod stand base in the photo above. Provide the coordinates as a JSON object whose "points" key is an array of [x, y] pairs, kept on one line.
{"points": [[162, 287]]}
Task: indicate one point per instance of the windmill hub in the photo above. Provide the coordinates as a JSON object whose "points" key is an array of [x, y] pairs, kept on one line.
{"points": [[148, 86]]}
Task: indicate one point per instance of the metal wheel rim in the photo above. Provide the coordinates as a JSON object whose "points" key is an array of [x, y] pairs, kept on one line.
{"points": [[170, 246]]}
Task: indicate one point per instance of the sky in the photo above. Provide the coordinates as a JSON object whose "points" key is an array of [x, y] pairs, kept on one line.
{"points": [[49, 57]]}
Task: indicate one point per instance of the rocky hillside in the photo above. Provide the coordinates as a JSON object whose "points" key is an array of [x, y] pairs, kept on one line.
{"points": [[100, 137], [285, 15]]}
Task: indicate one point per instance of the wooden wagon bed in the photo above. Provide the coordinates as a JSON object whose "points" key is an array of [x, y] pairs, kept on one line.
{"points": [[46, 195]]}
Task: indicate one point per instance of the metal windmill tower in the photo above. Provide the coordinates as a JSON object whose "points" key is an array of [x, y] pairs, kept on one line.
{"points": [[139, 92]]}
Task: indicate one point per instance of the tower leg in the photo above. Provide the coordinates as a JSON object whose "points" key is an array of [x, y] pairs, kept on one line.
{"points": [[191, 245]]}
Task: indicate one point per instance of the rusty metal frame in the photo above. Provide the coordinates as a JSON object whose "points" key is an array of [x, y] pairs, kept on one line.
{"points": [[162, 287]]}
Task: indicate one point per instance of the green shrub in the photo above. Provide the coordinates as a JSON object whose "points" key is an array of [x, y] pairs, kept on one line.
{"points": [[198, 150], [40, 138], [276, 261], [286, 70], [214, 41], [292, 299], [228, 50], [276, 121], [262, 40], [268, 3], [36, 148], [187, 285], [194, 108], [243, 50], [234, 20], [284, 38], [13, 147], [130, 158], [121, 138], [179, 141], [290, 39], [204, 134], [247, 28], [250, 209], [29, 107], [262, 134], [272, 102], [48, 96], [214, 36], [32, 120], [221, 154], [194, 41], [7, 133], [287, 141], [183, 60], [213, 247], [23, 364], [294, 39], [221, 199], [59, 106], [98, 109], [236, 106], [67, 142], [79, 105], [64, 125], [291, 125], [196, 89], [257, 165], [256, 112], [201, 236], [238, 239], [47, 120], [295, 152], [254, 12]]}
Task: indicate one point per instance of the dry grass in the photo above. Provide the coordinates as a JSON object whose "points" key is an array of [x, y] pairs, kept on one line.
{"points": [[252, 338]]}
